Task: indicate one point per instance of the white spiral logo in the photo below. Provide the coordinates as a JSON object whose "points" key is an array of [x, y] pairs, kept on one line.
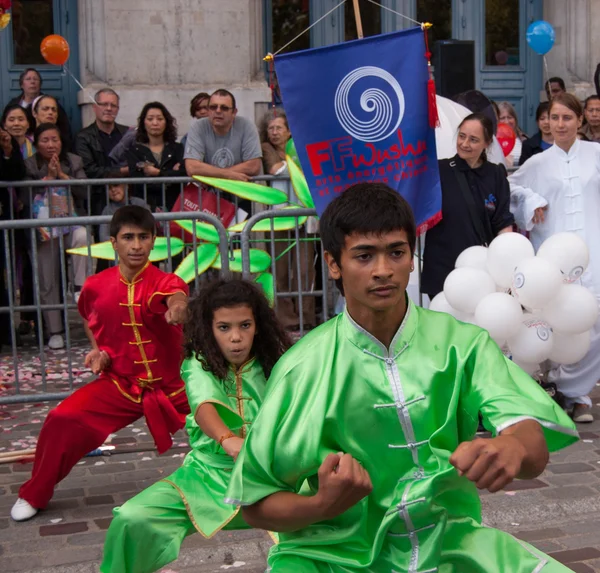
{"points": [[373, 101]]}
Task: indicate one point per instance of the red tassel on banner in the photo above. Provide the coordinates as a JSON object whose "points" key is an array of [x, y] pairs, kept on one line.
{"points": [[434, 119], [271, 61]]}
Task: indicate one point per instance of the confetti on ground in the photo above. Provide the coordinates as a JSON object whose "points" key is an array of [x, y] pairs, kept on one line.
{"points": [[235, 564], [99, 463], [588, 441], [146, 459], [510, 492], [58, 520]]}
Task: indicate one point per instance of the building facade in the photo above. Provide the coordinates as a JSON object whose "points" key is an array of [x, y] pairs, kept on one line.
{"points": [[169, 50]]}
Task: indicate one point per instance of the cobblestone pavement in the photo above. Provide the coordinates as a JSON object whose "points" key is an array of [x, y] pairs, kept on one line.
{"points": [[559, 512]]}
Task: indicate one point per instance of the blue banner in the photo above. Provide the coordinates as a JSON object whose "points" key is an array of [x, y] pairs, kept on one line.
{"points": [[358, 111]]}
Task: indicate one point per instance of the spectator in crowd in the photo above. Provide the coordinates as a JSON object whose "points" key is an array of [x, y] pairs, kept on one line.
{"points": [[11, 169], [475, 203], [45, 109], [15, 121], [118, 196], [156, 153], [198, 110], [555, 86], [224, 144], [543, 139], [51, 162], [199, 105], [30, 82], [557, 191], [95, 142], [274, 135], [508, 115], [591, 111]]}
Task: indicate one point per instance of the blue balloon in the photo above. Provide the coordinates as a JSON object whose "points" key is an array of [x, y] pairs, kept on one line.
{"points": [[540, 36]]}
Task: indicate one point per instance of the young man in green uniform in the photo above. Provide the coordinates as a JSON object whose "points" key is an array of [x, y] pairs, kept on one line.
{"points": [[364, 453]]}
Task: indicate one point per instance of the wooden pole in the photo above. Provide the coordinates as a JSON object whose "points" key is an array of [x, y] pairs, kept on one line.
{"points": [[359, 28]]}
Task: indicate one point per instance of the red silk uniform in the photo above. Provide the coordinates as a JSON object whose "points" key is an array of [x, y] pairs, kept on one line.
{"points": [[143, 379]]}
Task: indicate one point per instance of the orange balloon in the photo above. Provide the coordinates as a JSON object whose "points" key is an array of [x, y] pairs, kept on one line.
{"points": [[55, 49]]}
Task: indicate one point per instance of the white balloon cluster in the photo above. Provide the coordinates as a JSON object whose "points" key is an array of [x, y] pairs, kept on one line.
{"points": [[527, 302]]}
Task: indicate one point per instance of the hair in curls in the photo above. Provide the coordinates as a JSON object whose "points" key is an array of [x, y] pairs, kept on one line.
{"points": [[269, 344]]}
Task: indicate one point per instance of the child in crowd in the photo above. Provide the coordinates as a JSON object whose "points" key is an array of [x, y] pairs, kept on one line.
{"points": [[118, 196], [232, 341]]}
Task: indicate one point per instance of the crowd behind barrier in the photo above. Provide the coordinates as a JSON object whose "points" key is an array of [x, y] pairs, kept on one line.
{"points": [[287, 290]]}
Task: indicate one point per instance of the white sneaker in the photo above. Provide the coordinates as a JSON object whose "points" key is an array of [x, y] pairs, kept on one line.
{"points": [[22, 510], [76, 296], [56, 342]]}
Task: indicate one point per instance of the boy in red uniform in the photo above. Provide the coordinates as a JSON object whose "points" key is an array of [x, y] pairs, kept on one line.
{"points": [[130, 314]]}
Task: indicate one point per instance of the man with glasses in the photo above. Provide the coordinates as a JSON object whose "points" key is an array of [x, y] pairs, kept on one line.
{"points": [[223, 144], [95, 142]]}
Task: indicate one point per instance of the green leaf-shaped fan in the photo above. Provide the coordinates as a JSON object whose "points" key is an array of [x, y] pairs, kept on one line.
{"points": [[280, 223], [204, 231], [105, 250], [205, 254], [259, 261], [246, 190], [267, 283], [299, 184]]}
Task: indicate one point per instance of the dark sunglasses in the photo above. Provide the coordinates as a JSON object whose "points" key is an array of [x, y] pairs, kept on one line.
{"points": [[216, 107]]}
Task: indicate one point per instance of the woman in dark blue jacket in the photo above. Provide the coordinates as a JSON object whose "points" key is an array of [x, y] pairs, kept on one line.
{"points": [[156, 153], [543, 139]]}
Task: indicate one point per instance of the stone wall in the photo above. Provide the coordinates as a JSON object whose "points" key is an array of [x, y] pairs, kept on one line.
{"points": [[169, 50], [576, 52]]}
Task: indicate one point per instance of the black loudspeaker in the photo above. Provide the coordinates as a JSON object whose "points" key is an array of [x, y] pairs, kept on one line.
{"points": [[454, 67]]}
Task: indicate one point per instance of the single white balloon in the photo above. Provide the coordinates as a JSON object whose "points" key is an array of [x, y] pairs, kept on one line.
{"points": [[536, 282], [440, 304], [570, 348], [473, 257], [505, 252], [568, 252], [533, 341], [465, 287], [500, 314], [573, 310]]}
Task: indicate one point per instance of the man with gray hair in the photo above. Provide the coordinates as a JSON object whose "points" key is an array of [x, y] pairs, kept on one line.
{"points": [[95, 142]]}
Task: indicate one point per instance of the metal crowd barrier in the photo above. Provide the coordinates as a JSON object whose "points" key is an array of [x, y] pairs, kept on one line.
{"points": [[41, 359], [298, 253], [297, 267]]}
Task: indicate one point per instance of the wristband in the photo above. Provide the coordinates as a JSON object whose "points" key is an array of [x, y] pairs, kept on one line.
{"points": [[225, 437]]}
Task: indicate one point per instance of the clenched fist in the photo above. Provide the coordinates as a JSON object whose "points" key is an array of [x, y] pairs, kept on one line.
{"points": [[490, 463]]}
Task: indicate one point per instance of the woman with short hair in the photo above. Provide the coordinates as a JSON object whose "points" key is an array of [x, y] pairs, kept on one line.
{"points": [[475, 203]]}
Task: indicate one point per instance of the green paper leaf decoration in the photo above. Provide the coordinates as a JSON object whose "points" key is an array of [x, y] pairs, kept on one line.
{"points": [[204, 231], [300, 184], [280, 223], [246, 190], [267, 283], [205, 254], [105, 250], [259, 261]]}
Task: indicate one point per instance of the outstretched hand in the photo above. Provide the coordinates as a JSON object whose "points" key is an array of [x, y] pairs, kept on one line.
{"points": [[343, 482], [97, 361], [176, 313], [490, 463]]}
